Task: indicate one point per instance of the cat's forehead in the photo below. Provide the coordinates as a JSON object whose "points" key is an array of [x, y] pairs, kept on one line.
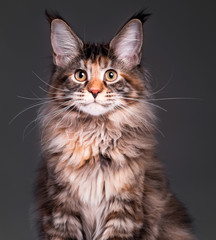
{"points": [[93, 50], [100, 62], [95, 55]]}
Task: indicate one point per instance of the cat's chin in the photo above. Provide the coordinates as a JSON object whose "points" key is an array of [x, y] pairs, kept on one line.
{"points": [[95, 109]]}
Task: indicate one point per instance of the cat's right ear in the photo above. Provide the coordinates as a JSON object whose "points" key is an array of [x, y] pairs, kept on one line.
{"points": [[65, 43]]}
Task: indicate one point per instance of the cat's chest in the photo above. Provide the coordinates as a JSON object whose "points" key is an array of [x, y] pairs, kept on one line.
{"points": [[95, 188], [89, 169], [94, 173], [95, 184]]}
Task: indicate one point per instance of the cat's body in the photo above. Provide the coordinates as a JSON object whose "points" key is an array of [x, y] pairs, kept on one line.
{"points": [[99, 178]]}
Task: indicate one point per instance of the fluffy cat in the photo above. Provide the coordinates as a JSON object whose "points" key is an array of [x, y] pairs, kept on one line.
{"points": [[99, 178]]}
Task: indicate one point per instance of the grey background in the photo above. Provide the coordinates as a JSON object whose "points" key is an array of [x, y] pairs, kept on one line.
{"points": [[179, 51]]}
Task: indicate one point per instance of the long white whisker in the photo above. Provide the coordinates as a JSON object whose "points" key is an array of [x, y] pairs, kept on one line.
{"points": [[145, 101], [59, 122], [37, 119], [161, 89], [173, 98], [28, 98], [58, 113], [138, 117], [43, 89], [143, 119], [49, 92], [47, 83], [30, 107], [35, 105], [36, 95], [41, 99]]}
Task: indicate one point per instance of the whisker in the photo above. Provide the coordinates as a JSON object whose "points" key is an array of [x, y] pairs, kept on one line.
{"points": [[36, 95], [138, 117], [142, 100], [161, 89], [79, 93], [29, 98], [39, 117], [63, 93], [35, 105], [47, 83], [143, 119], [30, 107], [43, 89], [57, 114], [27, 126], [42, 99], [174, 98], [71, 107]]}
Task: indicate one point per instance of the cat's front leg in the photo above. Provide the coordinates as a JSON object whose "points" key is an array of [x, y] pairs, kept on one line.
{"points": [[123, 220], [62, 226]]}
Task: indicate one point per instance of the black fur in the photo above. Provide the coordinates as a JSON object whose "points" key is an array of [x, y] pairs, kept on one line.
{"points": [[92, 50], [51, 15], [142, 15]]}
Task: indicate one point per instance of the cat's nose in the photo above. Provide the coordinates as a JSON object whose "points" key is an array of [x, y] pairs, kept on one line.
{"points": [[94, 92]]}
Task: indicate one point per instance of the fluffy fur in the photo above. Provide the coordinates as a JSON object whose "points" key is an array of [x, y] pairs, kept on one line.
{"points": [[99, 177]]}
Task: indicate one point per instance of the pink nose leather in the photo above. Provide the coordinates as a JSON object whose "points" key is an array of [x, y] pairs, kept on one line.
{"points": [[94, 92]]}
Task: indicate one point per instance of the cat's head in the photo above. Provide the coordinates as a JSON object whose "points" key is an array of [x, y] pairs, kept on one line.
{"points": [[97, 79]]}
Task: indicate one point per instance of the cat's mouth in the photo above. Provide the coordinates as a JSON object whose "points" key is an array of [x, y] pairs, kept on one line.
{"points": [[95, 103], [95, 108]]}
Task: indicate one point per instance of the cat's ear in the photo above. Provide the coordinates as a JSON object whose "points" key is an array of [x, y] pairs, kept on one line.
{"points": [[127, 44], [65, 43]]}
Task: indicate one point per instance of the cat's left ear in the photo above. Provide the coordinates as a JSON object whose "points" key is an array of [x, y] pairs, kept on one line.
{"points": [[127, 44]]}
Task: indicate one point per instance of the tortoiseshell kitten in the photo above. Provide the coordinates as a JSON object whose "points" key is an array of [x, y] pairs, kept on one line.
{"points": [[99, 177]]}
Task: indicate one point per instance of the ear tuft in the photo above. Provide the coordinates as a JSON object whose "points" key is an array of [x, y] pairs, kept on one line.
{"points": [[52, 15], [142, 15]]}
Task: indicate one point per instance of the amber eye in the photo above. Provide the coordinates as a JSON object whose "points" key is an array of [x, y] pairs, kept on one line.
{"points": [[110, 75], [80, 75]]}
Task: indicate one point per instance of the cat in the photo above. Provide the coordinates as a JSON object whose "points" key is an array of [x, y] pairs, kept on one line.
{"points": [[99, 177]]}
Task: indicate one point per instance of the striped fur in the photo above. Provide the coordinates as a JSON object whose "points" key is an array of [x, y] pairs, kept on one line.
{"points": [[99, 178]]}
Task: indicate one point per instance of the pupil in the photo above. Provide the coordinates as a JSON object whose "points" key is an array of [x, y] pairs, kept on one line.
{"points": [[111, 74], [81, 74]]}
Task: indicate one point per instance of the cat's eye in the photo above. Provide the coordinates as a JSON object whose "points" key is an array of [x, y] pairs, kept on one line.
{"points": [[80, 75], [111, 75]]}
